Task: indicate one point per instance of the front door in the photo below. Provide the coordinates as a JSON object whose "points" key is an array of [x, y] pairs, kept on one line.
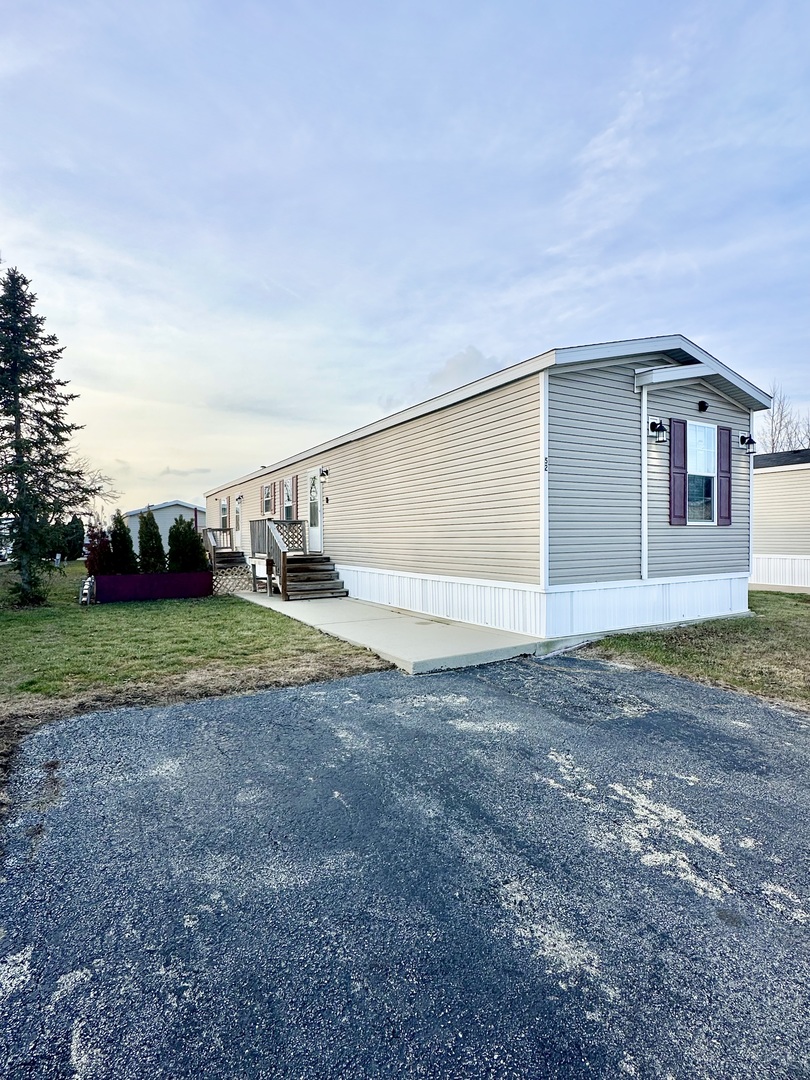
{"points": [[237, 523], [315, 517]]}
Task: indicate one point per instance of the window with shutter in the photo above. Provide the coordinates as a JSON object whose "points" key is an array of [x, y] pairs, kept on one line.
{"points": [[699, 474]]}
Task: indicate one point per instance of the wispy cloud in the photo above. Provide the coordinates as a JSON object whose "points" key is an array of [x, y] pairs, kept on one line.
{"points": [[184, 472]]}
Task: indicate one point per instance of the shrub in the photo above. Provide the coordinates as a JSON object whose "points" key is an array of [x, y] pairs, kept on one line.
{"points": [[99, 553], [150, 543], [123, 553], [74, 538], [186, 551]]}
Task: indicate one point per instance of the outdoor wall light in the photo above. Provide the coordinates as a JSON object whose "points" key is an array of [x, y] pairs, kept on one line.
{"points": [[658, 430], [748, 443], [703, 406], [323, 474]]}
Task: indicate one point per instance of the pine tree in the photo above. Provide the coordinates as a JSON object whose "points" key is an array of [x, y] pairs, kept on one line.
{"points": [[123, 553], [74, 538], [40, 477], [186, 551], [99, 553], [150, 545]]}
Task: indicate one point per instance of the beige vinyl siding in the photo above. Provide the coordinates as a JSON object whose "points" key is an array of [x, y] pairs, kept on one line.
{"points": [[686, 550], [594, 474], [250, 508], [454, 493], [782, 511]]}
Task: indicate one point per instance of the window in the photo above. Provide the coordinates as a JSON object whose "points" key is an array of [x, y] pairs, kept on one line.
{"points": [[288, 499], [267, 499], [701, 469], [699, 474], [237, 514], [223, 514]]}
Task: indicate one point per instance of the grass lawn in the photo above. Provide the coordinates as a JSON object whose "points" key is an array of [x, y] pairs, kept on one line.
{"points": [[63, 658], [768, 654]]}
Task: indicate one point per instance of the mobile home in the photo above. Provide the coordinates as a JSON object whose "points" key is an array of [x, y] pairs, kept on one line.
{"points": [[584, 490]]}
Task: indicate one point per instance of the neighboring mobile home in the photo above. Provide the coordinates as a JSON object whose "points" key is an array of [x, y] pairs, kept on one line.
{"points": [[782, 521], [584, 490], [166, 513]]}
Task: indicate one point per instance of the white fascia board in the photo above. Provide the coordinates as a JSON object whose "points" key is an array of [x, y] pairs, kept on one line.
{"points": [[664, 344], [577, 354], [609, 350], [452, 397], [684, 373]]}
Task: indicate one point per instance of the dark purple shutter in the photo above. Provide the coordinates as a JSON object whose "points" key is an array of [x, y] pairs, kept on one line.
{"points": [[723, 476], [295, 496], [677, 472]]}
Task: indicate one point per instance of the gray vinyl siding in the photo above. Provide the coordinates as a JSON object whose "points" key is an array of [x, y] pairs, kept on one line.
{"points": [[165, 517], [686, 550], [594, 474], [453, 493], [782, 511]]}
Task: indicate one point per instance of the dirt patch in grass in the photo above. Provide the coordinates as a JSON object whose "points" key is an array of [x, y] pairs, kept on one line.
{"points": [[61, 659], [766, 654]]}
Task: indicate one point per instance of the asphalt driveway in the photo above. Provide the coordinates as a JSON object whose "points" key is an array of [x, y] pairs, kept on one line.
{"points": [[532, 869]]}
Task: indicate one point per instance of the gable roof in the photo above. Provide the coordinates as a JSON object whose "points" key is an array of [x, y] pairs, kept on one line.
{"points": [[787, 457], [677, 349], [163, 505]]}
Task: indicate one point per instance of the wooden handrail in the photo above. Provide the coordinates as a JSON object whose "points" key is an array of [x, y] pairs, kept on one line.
{"points": [[214, 540], [220, 538], [282, 539]]}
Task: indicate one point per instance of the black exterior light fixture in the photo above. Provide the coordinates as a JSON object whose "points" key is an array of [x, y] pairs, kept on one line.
{"points": [[748, 443], [703, 406], [323, 474], [658, 430]]}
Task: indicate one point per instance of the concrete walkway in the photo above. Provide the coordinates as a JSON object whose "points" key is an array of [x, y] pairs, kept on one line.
{"points": [[415, 643]]}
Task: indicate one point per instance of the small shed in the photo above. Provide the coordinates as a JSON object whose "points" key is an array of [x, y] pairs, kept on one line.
{"points": [[782, 521], [166, 513]]}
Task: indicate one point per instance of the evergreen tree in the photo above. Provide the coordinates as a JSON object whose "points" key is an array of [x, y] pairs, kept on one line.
{"points": [[186, 551], [40, 477], [123, 553], [74, 538], [150, 545], [99, 552]]}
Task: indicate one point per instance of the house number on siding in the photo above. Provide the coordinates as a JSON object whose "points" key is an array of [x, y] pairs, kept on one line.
{"points": [[546, 464]]}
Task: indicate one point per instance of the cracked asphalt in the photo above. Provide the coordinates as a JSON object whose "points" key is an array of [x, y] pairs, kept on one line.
{"points": [[554, 868]]}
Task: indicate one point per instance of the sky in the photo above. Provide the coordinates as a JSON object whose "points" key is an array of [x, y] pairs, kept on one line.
{"points": [[255, 226]]}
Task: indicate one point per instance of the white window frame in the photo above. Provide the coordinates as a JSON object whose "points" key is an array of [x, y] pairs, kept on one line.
{"points": [[690, 424], [223, 513], [287, 502], [267, 499]]}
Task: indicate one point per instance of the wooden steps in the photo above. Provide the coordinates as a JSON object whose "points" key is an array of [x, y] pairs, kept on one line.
{"points": [[225, 558], [312, 577]]}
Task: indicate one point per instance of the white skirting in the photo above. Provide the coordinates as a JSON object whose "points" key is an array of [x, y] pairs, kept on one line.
{"points": [[559, 612], [789, 570]]}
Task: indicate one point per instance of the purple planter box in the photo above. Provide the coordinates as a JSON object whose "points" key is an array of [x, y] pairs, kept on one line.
{"points": [[113, 588]]}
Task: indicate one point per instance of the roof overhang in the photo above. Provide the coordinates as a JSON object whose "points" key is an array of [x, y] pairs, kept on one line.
{"points": [[688, 362], [694, 363]]}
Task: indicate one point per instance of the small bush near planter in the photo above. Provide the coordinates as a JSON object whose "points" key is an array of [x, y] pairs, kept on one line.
{"points": [[152, 555], [99, 552], [123, 553], [186, 552]]}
